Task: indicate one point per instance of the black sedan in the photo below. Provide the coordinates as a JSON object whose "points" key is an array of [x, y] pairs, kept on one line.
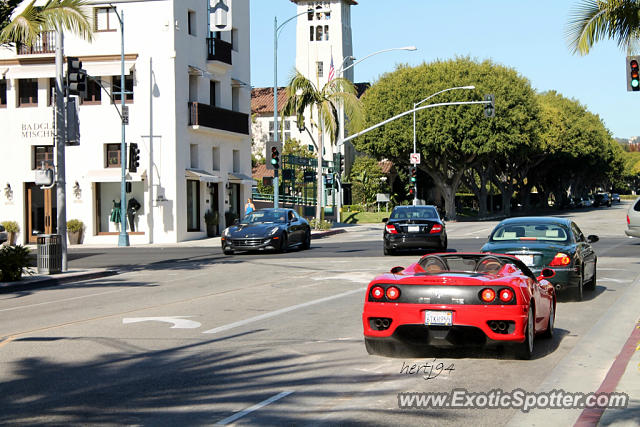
{"points": [[277, 229], [552, 242], [414, 227]]}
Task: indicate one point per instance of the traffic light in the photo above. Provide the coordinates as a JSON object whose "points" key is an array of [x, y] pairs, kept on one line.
{"points": [[414, 175], [490, 109], [411, 191], [76, 77], [134, 157], [633, 73], [275, 158], [340, 163]]}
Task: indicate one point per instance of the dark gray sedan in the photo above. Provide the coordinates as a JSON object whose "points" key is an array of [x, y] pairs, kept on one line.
{"points": [[276, 229]]}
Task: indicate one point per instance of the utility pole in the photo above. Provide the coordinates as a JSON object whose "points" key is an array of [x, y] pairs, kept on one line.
{"points": [[61, 127]]}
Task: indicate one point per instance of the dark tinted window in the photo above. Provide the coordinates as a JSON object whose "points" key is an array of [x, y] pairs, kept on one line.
{"points": [[414, 212], [636, 207], [527, 231]]}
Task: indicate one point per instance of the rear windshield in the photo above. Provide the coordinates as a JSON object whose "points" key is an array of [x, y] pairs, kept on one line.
{"points": [[550, 232], [415, 212]]}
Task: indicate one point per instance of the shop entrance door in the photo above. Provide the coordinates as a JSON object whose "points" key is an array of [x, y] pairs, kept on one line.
{"points": [[41, 211]]}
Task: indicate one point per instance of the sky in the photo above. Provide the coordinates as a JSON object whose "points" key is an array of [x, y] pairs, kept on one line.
{"points": [[526, 35]]}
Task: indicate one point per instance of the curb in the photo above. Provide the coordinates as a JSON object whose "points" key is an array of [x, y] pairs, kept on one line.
{"points": [[322, 234], [40, 282]]}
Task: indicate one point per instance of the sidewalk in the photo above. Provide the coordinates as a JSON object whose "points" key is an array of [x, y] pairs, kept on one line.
{"points": [[36, 281]]}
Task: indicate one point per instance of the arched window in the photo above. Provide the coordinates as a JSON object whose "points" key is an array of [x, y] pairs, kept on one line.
{"points": [[319, 33]]}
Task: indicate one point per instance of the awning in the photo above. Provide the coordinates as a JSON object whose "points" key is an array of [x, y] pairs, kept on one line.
{"points": [[201, 175], [238, 178], [108, 68], [31, 71], [113, 175]]}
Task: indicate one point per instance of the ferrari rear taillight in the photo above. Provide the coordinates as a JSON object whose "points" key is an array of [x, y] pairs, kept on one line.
{"points": [[488, 295], [377, 292], [391, 229], [436, 228], [393, 293], [505, 295], [560, 260]]}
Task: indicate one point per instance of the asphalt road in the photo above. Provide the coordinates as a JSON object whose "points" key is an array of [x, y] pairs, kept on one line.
{"points": [[188, 336]]}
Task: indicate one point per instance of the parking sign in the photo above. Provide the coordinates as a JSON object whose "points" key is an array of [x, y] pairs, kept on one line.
{"points": [[414, 158]]}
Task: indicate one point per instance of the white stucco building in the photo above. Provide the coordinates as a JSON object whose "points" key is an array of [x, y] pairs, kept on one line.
{"points": [[188, 114], [323, 42]]}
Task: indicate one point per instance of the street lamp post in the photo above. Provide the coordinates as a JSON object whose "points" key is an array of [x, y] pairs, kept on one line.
{"points": [[276, 30], [339, 73], [416, 105]]}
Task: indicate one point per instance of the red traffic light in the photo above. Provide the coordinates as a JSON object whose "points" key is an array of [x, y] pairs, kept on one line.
{"points": [[634, 65]]}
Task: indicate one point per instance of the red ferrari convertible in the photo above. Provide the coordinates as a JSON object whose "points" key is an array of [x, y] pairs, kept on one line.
{"points": [[459, 299]]}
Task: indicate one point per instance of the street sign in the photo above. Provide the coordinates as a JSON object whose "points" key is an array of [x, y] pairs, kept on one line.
{"points": [[414, 158], [125, 115]]}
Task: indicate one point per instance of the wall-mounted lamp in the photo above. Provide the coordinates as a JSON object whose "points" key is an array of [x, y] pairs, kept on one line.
{"points": [[8, 192], [77, 191]]}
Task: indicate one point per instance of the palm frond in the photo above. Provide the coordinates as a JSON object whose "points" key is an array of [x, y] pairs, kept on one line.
{"points": [[69, 15], [595, 20], [24, 28]]}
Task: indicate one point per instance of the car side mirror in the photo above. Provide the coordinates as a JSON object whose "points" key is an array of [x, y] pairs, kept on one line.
{"points": [[1, 228], [236, 221], [592, 238], [385, 219], [396, 270], [547, 273]]}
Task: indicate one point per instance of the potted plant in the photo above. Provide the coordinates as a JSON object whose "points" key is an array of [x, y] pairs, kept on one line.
{"points": [[12, 228], [211, 219], [75, 229], [14, 261]]}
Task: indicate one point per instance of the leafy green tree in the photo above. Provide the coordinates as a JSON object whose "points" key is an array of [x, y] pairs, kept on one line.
{"points": [[25, 27], [366, 175], [581, 154], [595, 20], [451, 138], [303, 95]]}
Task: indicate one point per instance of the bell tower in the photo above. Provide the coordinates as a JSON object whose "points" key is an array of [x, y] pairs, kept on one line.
{"points": [[323, 34]]}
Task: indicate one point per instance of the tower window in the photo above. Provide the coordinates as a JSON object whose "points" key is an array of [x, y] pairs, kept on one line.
{"points": [[326, 32], [319, 68], [311, 30], [319, 33]]}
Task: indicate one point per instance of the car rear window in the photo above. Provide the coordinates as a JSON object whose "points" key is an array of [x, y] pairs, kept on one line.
{"points": [[549, 232], [415, 212]]}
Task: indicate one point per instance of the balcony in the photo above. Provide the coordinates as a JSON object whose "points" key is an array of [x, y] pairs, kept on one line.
{"points": [[218, 50], [46, 43], [218, 118]]}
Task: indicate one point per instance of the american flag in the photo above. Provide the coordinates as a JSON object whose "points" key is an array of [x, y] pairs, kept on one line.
{"points": [[332, 71]]}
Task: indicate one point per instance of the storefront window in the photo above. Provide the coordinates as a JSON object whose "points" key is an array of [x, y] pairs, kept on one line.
{"points": [[109, 214], [193, 205], [28, 92]]}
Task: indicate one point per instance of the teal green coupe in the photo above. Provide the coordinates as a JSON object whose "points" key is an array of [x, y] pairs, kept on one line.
{"points": [[552, 242]]}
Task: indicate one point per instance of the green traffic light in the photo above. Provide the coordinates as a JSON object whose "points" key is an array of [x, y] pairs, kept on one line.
{"points": [[413, 179], [274, 161], [635, 83]]}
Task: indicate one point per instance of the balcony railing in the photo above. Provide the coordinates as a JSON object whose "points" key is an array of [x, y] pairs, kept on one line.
{"points": [[218, 118], [45, 43], [218, 50]]}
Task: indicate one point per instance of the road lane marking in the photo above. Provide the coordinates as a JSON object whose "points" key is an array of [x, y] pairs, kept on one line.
{"points": [[253, 408], [22, 307], [179, 322], [279, 312]]}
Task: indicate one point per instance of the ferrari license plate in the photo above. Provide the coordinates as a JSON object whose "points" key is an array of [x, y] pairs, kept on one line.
{"points": [[414, 229], [527, 259], [441, 318]]}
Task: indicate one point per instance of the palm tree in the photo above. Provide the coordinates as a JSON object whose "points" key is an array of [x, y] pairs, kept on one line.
{"points": [[26, 27], [303, 94], [594, 20]]}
